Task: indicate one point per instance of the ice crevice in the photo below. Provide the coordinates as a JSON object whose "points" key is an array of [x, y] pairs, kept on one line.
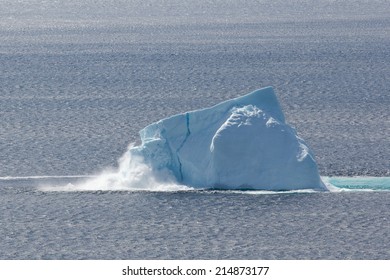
{"points": [[182, 144]]}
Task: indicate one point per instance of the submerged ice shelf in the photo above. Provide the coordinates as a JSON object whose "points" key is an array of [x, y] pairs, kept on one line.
{"points": [[242, 143]]}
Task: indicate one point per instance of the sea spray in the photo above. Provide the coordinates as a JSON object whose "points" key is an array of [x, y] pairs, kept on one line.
{"points": [[132, 174]]}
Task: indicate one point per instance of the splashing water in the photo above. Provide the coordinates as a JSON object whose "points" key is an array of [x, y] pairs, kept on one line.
{"points": [[131, 175]]}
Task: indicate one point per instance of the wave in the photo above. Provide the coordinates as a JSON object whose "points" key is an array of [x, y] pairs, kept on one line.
{"points": [[134, 175], [146, 181], [131, 175], [142, 178]]}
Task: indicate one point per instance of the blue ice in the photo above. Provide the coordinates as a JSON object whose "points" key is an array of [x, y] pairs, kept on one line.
{"points": [[242, 143]]}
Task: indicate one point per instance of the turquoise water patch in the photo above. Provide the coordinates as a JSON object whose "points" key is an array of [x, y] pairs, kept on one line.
{"points": [[359, 183]]}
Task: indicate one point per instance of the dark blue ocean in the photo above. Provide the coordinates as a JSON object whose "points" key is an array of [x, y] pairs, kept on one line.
{"points": [[79, 79]]}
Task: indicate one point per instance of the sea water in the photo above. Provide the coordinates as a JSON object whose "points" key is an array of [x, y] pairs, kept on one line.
{"points": [[187, 224], [79, 80]]}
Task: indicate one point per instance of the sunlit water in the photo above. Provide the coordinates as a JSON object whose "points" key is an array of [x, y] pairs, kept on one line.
{"points": [[188, 224], [79, 79]]}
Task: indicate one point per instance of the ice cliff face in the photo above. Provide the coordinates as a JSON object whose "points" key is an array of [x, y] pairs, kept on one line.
{"points": [[240, 143]]}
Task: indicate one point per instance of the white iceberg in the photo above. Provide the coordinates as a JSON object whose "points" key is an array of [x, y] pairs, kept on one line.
{"points": [[242, 143]]}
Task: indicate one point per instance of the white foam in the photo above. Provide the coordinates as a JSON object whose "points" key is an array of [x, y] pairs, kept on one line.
{"points": [[131, 175], [134, 175]]}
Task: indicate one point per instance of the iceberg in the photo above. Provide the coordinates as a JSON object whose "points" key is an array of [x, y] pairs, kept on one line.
{"points": [[242, 143]]}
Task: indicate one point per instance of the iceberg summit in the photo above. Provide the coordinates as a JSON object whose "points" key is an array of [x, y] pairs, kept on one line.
{"points": [[242, 143]]}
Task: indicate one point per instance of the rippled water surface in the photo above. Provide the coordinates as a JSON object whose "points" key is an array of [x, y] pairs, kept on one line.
{"points": [[79, 79], [191, 224]]}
